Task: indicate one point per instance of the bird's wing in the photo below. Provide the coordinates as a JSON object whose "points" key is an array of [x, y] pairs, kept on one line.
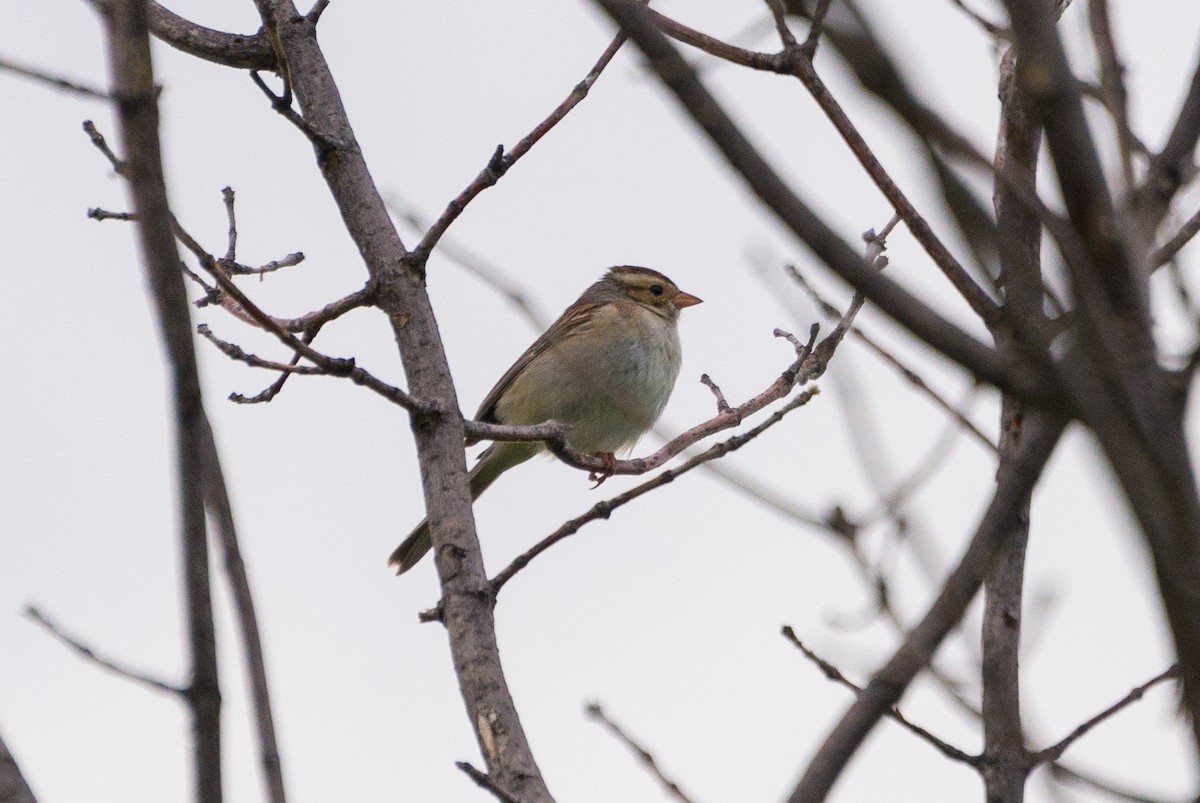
{"points": [[572, 322]]}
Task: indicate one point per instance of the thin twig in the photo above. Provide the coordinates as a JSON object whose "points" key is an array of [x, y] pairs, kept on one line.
{"points": [[1024, 375], [671, 788], [231, 250], [88, 654], [815, 27], [895, 500], [1063, 772], [220, 511], [235, 352], [102, 145], [793, 61], [991, 28], [722, 405], [1055, 751], [833, 673], [779, 14], [53, 80], [476, 265], [282, 104], [96, 213], [500, 161], [1112, 82], [909, 375], [602, 510], [484, 781], [334, 366], [1173, 246], [1015, 481]]}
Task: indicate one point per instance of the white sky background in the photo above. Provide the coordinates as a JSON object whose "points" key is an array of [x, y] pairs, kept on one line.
{"points": [[669, 613]]}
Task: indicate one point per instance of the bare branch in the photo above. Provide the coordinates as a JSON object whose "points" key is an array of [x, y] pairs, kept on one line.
{"points": [[1115, 380], [216, 496], [911, 376], [476, 265], [1175, 163], [244, 52], [98, 214], [602, 510], [1055, 751], [793, 61], [816, 26], [137, 116], [1063, 772], [485, 781], [235, 352], [833, 673], [437, 428], [334, 366], [1022, 378], [1173, 246], [991, 28], [316, 11], [13, 788], [1015, 481], [500, 162], [101, 144], [671, 788], [90, 655], [1112, 83], [53, 80]]}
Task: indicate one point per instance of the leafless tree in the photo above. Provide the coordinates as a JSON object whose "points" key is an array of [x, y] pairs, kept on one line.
{"points": [[1090, 359]]}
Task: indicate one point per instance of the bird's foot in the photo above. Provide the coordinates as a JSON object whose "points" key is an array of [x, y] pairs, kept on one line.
{"points": [[610, 468]]}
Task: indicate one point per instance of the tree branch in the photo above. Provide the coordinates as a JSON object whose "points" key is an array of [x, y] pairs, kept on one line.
{"points": [[1021, 378], [1055, 751], [834, 674], [1016, 478], [670, 788], [439, 431], [13, 788], [500, 162], [241, 51], [137, 116], [107, 664]]}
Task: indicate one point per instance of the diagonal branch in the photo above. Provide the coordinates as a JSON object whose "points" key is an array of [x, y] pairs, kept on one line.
{"points": [[602, 510], [58, 82], [681, 79], [1055, 751], [13, 788], [107, 664], [671, 788], [501, 161], [1016, 478], [834, 674]]}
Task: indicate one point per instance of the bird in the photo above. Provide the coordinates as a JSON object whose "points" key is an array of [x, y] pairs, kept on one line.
{"points": [[605, 369]]}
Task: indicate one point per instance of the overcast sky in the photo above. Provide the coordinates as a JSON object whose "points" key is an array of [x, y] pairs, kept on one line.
{"points": [[669, 613]]}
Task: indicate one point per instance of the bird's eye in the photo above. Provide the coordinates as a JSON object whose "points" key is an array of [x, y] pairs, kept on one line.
{"points": [[657, 289]]}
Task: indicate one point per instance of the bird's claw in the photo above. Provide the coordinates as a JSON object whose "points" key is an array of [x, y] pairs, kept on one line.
{"points": [[610, 468]]}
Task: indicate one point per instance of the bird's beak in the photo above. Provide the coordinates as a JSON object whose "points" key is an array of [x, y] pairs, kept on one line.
{"points": [[683, 299]]}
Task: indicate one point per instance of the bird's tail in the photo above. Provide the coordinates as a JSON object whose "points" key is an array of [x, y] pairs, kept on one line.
{"points": [[495, 460]]}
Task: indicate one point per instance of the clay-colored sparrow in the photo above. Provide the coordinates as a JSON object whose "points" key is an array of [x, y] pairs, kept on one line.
{"points": [[605, 369]]}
